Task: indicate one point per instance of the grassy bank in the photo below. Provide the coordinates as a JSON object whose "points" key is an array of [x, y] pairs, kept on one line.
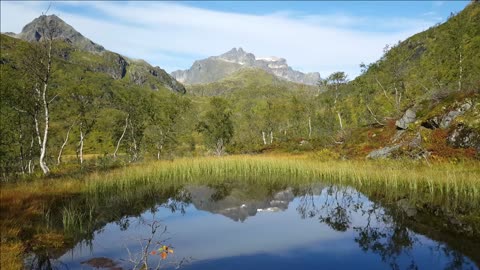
{"points": [[28, 208], [456, 181]]}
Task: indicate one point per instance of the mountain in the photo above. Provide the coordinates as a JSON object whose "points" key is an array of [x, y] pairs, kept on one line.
{"points": [[236, 206], [216, 68], [95, 57], [38, 28]]}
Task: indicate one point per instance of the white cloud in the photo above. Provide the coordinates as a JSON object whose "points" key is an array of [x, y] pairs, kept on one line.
{"points": [[158, 32]]}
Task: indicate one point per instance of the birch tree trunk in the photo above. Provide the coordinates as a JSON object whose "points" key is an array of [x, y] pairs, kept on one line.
{"points": [[80, 151], [30, 161], [59, 158], [43, 148], [219, 147], [159, 149], [460, 74], [22, 154], [134, 141], [271, 137], [340, 120], [121, 137], [263, 137]]}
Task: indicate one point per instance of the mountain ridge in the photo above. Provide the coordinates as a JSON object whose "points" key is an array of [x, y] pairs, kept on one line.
{"points": [[215, 68], [119, 67]]}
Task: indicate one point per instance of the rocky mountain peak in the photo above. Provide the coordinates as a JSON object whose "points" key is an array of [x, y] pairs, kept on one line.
{"points": [[52, 24], [218, 67], [238, 56]]}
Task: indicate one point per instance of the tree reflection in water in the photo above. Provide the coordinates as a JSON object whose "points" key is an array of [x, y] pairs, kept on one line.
{"points": [[385, 231]]}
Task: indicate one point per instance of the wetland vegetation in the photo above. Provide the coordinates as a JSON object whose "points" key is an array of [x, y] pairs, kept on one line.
{"points": [[438, 200]]}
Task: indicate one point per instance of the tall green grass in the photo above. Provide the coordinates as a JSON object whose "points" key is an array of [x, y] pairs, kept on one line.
{"points": [[460, 182]]}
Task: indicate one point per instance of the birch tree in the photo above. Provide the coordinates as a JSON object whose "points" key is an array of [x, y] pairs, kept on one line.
{"points": [[336, 79], [39, 65]]}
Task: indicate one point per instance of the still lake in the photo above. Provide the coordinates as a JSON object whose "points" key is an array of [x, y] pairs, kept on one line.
{"points": [[235, 226]]}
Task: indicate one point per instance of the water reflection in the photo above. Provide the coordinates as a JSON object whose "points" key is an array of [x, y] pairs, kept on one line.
{"points": [[237, 225], [237, 206]]}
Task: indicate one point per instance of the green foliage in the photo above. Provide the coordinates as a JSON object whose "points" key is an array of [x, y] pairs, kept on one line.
{"points": [[87, 97], [217, 124]]}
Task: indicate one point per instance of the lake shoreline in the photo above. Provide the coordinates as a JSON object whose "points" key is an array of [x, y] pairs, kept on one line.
{"points": [[451, 191]]}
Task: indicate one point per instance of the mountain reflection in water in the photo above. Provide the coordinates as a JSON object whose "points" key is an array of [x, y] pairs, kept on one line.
{"points": [[237, 226]]}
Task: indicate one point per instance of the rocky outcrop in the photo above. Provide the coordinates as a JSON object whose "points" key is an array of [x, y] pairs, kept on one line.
{"points": [[384, 152], [464, 137], [407, 142], [444, 121], [142, 73], [408, 117], [402, 145], [451, 115], [113, 64], [218, 67]]}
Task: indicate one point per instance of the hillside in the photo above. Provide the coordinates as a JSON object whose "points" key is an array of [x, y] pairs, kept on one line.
{"points": [[248, 81], [429, 83], [78, 49]]}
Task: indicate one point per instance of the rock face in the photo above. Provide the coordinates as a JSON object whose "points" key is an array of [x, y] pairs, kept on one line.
{"points": [[216, 68], [451, 115], [142, 73], [114, 65], [43, 25], [383, 152], [407, 118], [444, 121], [464, 137]]}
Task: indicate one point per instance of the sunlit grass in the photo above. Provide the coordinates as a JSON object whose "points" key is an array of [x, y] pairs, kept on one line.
{"points": [[457, 181]]}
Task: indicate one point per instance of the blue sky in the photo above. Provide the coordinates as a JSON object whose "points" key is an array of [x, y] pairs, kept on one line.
{"points": [[312, 36]]}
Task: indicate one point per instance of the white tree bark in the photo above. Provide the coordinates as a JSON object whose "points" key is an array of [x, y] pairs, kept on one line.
{"points": [[340, 120], [460, 74], [374, 116], [134, 141], [43, 148], [159, 150], [336, 94], [22, 155], [263, 137], [219, 147], [121, 137], [30, 161], [271, 137], [59, 158], [80, 144]]}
